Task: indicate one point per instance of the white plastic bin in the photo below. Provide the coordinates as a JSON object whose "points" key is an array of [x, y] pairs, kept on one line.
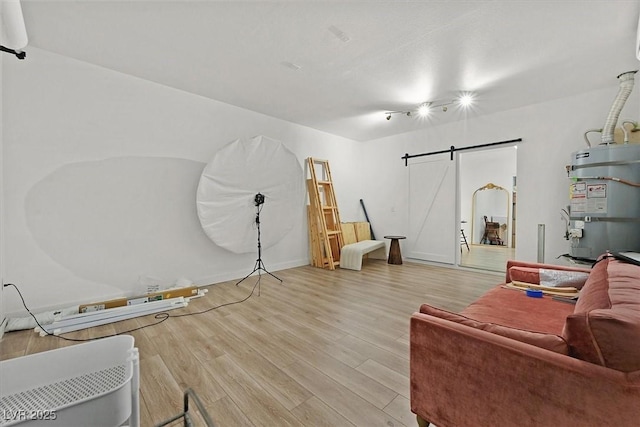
{"points": [[91, 384]]}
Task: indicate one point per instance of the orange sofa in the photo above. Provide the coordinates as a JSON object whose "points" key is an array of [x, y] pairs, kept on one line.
{"points": [[512, 360]]}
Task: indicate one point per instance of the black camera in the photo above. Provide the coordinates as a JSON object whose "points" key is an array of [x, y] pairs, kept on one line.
{"points": [[259, 199]]}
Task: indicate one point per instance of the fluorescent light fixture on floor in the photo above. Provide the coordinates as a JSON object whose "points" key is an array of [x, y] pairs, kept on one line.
{"points": [[110, 315]]}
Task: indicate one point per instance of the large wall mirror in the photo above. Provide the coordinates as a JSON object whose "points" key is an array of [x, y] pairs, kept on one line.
{"points": [[490, 212]]}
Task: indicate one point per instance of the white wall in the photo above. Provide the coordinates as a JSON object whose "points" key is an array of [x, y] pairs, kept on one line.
{"points": [[550, 131], [100, 173]]}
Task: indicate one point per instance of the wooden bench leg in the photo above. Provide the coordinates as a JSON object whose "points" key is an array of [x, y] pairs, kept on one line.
{"points": [[422, 422]]}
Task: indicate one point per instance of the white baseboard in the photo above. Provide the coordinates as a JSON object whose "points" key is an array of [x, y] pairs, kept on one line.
{"points": [[237, 275]]}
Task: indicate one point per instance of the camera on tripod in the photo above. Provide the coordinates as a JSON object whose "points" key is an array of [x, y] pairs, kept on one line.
{"points": [[258, 200]]}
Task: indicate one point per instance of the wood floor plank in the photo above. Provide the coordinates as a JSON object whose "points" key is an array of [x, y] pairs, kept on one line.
{"points": [[159, 390], [276, 354], [38, 344], [344, 401], [315, 337], [400, 409], [390, 378], [146, 420], [185, 368], [224, 412], [314, 412], [391, 360], [269, 376], [369, 334], [256, 403], [102, 331], [361, 384], [204, 346]]}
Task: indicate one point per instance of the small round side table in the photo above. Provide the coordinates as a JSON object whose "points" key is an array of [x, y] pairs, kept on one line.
{"points": [[395, 257]]}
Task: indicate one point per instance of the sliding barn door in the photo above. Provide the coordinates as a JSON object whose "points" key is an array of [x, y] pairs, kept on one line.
{"points": [[432, 211]]}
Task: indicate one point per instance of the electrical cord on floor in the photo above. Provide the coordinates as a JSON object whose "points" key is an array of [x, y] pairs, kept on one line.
{"points": [[160, 316]]}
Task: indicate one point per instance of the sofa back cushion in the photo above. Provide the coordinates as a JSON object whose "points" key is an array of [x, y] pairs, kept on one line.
{"points": [[551, 342], [605, 326]]}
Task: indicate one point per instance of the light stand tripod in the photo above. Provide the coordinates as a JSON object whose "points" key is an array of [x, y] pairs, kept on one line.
{"points": [[258, 201]]}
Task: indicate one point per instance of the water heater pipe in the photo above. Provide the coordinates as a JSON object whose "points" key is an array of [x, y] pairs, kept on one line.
{"points": [[626, 86], [612, 178], [587, 133], [624, 129]]}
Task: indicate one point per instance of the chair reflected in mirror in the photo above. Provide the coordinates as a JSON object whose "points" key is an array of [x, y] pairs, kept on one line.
{"points": [[463, 238], [491, 235]]}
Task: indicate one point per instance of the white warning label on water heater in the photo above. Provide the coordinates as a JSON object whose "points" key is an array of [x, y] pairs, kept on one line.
{"points": [[588, 198], [598, 191]]}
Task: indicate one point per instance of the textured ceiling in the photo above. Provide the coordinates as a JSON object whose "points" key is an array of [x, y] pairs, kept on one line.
{"points": [[338, 66]]}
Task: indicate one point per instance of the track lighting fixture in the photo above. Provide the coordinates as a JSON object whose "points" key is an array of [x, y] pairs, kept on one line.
{"points": [[425, 108]]}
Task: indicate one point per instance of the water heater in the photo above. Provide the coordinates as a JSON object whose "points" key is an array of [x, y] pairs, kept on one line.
{"points": [[604, 200]]}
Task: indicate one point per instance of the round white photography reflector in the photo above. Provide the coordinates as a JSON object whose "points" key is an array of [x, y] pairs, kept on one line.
{"points": [[13, 33], [229, 184]]}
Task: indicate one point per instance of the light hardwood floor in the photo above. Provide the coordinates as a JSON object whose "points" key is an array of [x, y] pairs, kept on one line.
{"points": [[486, 257], [325, 348]]}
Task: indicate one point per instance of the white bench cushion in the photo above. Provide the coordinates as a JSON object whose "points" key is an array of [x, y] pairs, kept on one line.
{"points": [[351, 255]]}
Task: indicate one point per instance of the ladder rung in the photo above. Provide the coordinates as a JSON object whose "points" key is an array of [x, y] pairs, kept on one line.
{"points": [[325, 183], [329, 207], [333, 232]]}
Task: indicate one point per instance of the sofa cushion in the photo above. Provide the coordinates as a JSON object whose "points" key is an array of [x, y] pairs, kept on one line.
{"points": [[551, 342], [548, 277], [513, 308], [605, 326]]}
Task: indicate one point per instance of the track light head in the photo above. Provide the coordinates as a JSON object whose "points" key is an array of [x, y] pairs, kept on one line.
{"points": [[424, 109], [389, 117], [466, 100]]}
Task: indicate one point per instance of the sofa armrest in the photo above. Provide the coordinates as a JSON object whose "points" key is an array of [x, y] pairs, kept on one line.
{"points": [[461, 376], [515, 263]]}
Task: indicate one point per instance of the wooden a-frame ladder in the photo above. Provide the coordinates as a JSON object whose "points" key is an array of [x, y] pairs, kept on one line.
{"points": [[325, 234]]}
